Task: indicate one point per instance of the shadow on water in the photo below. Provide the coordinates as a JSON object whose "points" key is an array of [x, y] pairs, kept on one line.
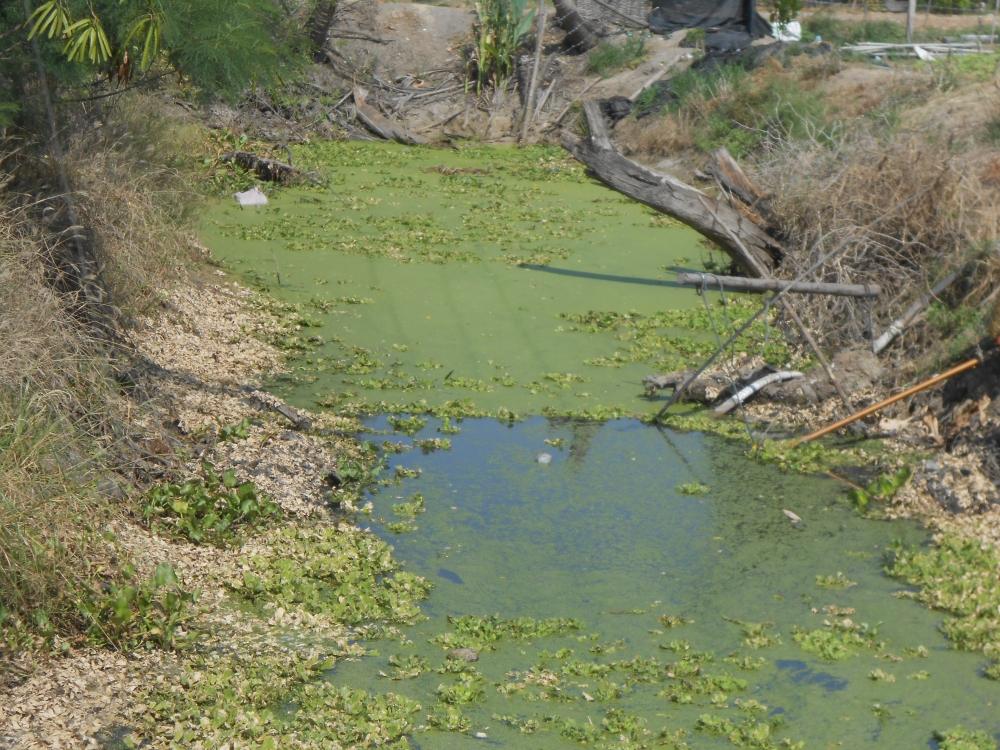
{"points": [[602, 276]]}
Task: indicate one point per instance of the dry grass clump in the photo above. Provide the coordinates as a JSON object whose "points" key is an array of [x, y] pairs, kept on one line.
{"points": [[51, 381], [63, 421], [133, 195], [901, 212]]}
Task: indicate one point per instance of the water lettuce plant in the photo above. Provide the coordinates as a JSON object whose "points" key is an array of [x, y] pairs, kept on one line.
{"points": [[210, 508]]}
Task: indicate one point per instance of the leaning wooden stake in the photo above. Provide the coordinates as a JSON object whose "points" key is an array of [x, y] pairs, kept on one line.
{"points": [[899, 324], [966, 365], [529, 100]]}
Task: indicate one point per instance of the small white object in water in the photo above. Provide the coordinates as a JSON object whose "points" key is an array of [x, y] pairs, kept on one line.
{"points": [[545, 458], [251, 197], [480, 735], [791, 516]]}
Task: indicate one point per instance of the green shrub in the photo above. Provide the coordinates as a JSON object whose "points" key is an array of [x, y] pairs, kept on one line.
{"points": [[500, 26], [881, 489], [607, 57], [210, 509]]}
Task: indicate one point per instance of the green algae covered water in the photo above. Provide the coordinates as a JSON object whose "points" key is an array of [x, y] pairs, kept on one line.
{"points": [[498, 280], [622, 586]]}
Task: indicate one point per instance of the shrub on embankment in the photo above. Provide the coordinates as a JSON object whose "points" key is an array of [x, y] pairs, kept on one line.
{"points": [[893, 170]]}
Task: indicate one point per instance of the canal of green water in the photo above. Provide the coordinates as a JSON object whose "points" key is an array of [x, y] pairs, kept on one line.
{"points": [[622, 586]]}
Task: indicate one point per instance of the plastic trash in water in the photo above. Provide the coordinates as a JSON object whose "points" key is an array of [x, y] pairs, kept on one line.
{"points": [[544, 458], [251, 197]]}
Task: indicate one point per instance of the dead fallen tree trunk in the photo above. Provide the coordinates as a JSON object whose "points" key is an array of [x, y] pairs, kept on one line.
{"points": [[580, 36], [729, 175], [759, 286], [380, 125], [269, 170], [744, 241]]}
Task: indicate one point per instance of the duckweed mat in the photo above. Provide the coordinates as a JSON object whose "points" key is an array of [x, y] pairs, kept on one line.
{"points": [[472, 282], [602, 585]]}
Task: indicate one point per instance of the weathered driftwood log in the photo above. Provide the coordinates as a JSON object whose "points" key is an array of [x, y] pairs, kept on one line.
{"points": [[580, 35], [731, 178], [759, 286], [269, 170], [744, 241], [380, 125], [910, 314]]}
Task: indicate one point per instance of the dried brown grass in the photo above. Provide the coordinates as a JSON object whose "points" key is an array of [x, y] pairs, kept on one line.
{"points": [[62, 418], [898, 211]]}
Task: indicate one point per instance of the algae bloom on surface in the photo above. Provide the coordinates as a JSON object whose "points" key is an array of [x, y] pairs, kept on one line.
{"points": [[639, 588], [474, 282]]}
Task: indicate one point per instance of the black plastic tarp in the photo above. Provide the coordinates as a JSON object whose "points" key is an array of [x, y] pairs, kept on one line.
{"points": [[729, 15]]}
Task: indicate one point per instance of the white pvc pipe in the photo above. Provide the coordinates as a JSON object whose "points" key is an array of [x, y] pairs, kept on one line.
{"points": [[747, 391]]}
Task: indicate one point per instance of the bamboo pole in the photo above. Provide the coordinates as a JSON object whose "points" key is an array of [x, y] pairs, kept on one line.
{"points": [[759, 286], [966, 365]]}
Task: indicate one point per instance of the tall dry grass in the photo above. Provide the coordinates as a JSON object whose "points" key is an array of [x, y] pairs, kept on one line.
{"points": [[898, 207], [51, 378], [63, 420]]}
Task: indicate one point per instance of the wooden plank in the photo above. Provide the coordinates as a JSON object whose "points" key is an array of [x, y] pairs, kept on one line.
{"points": [[759, 286]]}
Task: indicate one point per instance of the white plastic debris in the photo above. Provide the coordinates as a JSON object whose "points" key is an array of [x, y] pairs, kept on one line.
{"points": [[922, 53], [787, 32], [791, 516], [545, 458], [251, 197]]}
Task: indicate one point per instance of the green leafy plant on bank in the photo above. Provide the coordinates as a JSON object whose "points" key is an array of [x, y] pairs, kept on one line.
{"points": [[210, 509], [132, 613], [881, 489], [500, 26], [960, 738], [957, 576]]}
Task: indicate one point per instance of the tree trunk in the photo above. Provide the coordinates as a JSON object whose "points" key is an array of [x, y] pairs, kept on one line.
{"points": [[745, 242], [318, 26]]}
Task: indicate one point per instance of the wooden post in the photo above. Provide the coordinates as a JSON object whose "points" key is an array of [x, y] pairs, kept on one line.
{"points": [[911, 14], [529, 100]]}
